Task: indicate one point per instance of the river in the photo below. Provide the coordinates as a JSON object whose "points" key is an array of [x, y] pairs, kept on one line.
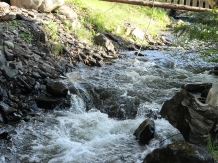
{"points": [[84, 134]]}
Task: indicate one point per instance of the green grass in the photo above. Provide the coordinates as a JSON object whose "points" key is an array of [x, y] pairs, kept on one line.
{"points": [[212, 147], [51, 31], [210, 55], [26, 36], [98, 16]]}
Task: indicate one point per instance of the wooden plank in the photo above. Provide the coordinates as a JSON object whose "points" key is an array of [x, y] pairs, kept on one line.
{"points": [[194, 3], [175, 1], [160, 5], [200, 3], [206, 4], [181, 2], [168, 1], [187, 2]]}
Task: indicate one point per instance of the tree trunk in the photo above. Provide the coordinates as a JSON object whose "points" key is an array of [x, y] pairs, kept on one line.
{"points": [[160, 5]]}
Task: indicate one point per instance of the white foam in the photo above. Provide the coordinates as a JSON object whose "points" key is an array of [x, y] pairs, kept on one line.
{"points": [[93, 137]]}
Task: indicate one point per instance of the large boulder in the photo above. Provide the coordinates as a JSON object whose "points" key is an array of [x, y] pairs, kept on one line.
{"points": [[179, 152], [192, 118], [68, 12], [4, 7], [145, 132], [41, 5], [8, 114], [49, 5], [57, 88], [49, 103], [102, 40]]}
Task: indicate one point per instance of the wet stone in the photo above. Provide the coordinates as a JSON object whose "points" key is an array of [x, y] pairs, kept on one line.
{"points": [[57, 89], [9, 72], [1, 94], [12, 65], [9, 56], [36, 75], [145, 132], [9, 44], [47, 102], [1, 119], [178, 152], [4, 135], [2, 58]]}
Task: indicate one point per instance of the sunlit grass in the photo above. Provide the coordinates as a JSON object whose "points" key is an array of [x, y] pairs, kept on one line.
{"points": [[98, 16]]}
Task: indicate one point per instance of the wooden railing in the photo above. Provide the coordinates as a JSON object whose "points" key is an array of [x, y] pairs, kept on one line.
{"points": [[190, 5]]}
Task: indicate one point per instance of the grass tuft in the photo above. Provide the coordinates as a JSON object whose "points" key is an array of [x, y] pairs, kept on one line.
{"points": [[212, 147]]}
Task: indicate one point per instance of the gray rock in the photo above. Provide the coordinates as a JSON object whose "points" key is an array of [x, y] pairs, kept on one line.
{"points": [[9, 56], [92, 62], [197, 87], [138, 33], [57, 89], [145, 132], [13, 65], [179, 152], [9, 115], [68, 12], [36, 75], [47, 102], [9, 72], [26, 85], [1, 119], [9, 44], [97, 56], [1, 94], [102, 40], [46, 67], [191, 117], [2, 58]]}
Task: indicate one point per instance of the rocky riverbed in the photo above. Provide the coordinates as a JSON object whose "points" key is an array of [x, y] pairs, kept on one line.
{"points": [[32, 72], [28, 65]]}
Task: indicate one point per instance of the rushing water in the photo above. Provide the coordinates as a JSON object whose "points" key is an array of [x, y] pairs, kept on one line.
{"points": [[79, 135]]}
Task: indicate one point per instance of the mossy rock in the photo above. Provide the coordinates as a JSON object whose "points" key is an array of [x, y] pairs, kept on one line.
{"points": [[179, 152]]}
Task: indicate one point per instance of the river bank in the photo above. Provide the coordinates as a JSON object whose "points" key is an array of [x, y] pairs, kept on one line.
{"points": [[28, 65]]}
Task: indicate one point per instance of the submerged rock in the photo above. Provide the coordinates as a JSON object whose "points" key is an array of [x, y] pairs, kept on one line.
{"points": [[4, 135], [58, 89], [47, 102], [145, 132], [179, 152]]}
